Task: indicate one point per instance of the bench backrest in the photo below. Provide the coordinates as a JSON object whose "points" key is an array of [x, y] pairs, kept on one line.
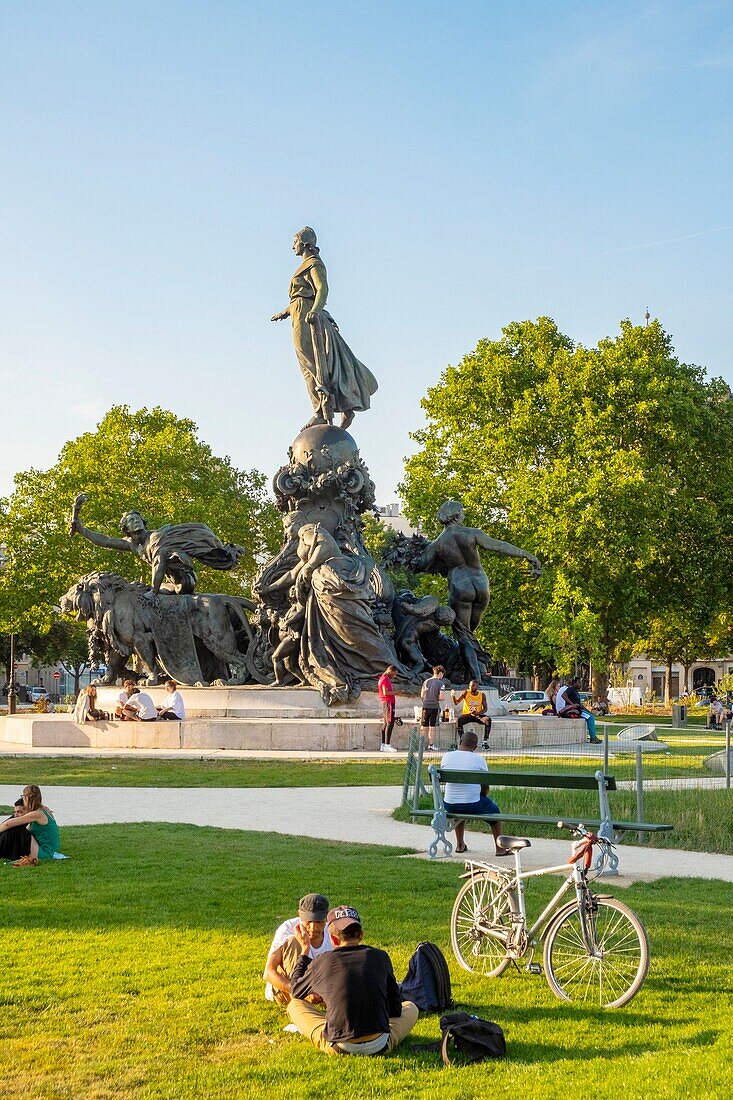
{"points": [[523, 779]]}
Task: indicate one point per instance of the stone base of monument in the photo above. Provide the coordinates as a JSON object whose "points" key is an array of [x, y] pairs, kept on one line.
{"points": [[285, 719], [522, 731]]}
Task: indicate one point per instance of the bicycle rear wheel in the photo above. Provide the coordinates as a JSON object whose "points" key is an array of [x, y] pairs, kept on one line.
{"points": [[609, 976], [481, 918]]}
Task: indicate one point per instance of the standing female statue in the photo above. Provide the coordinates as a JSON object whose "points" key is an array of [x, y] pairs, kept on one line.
{"points": [[335, 379]]}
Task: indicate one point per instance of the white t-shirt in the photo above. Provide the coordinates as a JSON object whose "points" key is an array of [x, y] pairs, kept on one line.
{"points": [[174, 701], [284, 932], [560, 699], [463, 761], [144, 705]]}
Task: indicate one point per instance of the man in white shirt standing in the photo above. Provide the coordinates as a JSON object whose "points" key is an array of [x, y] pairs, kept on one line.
{"points": [[285, 949], [469, 798], [173, 709], [140, 707]]}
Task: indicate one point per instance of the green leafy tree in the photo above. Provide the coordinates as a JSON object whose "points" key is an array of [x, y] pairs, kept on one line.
{"points": [[594, 459], [150, 460]]}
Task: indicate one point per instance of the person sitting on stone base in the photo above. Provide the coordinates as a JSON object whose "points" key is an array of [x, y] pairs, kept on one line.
{"points": [[474, 708]]}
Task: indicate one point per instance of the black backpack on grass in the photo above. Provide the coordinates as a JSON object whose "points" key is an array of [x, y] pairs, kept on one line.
{"points": [[468, 1039], [427, 981]]}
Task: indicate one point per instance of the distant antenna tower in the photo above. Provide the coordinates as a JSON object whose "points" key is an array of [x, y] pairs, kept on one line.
{"points": [[647, 315]]}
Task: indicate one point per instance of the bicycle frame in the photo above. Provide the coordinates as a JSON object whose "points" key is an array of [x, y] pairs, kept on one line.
{"points": [[515, 883]]}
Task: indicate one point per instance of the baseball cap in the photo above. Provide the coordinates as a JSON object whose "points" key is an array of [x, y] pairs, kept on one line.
{"points": [[313, 907], [343, 916]]}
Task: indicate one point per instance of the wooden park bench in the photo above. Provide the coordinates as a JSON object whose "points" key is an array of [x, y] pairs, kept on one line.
{"points": [[605, 824]]}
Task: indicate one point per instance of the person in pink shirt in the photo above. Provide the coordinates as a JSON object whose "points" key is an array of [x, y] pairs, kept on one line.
{"points": [[387, 699]]}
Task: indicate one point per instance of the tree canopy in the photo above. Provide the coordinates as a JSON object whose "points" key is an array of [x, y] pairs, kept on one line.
{"points": [[613, 464], [150, 460]]}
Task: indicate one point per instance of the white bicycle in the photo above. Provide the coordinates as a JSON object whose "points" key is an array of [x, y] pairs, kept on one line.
{"points": [[596, 950]]}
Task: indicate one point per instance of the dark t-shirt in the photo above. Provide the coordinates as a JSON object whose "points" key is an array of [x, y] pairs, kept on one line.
{"points": [[571, 697], [358, 986], [430, 693]]}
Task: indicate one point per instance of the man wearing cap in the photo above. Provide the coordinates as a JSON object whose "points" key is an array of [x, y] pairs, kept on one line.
{"points": [[286, 948], [365, 1013]]}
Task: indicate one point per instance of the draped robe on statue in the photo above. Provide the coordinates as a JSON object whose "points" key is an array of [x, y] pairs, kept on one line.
{"points": [[340, 644], [349, 383]]}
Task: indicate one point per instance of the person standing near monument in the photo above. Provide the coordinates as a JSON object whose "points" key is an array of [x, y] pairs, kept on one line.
{"points": [[431, 694], [335, 379], [387, 698]]}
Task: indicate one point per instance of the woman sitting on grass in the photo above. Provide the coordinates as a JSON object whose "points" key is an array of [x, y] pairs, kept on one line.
{"points": [[41, 825]]}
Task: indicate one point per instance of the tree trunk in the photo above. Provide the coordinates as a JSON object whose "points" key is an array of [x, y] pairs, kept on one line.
{"points": [[599, 683], [668, 681]]}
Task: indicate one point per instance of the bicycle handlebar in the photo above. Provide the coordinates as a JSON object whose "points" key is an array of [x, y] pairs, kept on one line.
{"points": [[584, 848]]}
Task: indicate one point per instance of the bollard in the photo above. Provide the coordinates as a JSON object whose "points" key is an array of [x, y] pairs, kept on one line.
{"points": [[640, 836], [418, 788]]}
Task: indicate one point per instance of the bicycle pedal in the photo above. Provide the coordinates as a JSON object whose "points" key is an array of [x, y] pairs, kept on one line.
{"points": [[533, 968]]}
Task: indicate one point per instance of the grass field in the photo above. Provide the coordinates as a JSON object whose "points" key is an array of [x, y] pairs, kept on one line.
{"points": [[132, 971], [151, 772]]}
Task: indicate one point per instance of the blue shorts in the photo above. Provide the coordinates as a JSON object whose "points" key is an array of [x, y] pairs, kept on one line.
{"points": [[485, 805]]}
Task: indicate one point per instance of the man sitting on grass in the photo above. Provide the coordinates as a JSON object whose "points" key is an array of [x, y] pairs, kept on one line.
{"points": [[365, 1013], [285, 949], [469, 798], [16, 843]]}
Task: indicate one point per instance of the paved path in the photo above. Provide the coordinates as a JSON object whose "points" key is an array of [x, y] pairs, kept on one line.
{"points": [[355, 814]]}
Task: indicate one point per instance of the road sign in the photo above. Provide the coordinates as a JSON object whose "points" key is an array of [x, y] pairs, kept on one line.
{"points": [[57, 675]]}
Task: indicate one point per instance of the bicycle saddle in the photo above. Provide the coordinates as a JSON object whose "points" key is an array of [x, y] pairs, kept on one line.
{"points": [[513, 843]]}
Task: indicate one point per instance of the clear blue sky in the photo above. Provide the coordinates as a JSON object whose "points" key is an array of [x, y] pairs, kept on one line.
{"points": [[465, 164]]}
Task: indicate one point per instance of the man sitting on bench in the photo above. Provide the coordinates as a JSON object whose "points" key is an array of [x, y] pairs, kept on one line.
{"points": [[469, 798]]}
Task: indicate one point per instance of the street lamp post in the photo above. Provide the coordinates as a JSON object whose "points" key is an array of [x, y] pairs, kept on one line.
{"points": [[11, 677]]}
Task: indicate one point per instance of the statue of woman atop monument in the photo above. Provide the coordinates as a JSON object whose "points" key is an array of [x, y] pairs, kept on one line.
{"points": [[335, 379]]}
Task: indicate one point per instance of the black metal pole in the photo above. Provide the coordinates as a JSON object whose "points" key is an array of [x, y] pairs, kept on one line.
{"points": [[11, 677]]}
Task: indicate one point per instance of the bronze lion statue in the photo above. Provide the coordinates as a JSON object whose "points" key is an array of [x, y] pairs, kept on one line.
{"points": [[194, 639]]}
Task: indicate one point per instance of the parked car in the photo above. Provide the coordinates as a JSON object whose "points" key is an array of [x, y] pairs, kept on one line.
{"points": [[36, 693], [517, 702]]}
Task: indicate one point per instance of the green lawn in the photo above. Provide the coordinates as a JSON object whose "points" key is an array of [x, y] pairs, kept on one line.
{"points": [[132, 970], [151, 772]]}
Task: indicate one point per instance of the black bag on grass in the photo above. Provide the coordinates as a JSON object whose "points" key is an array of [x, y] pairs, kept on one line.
{"points": [[427, 981], [470, 1039]]}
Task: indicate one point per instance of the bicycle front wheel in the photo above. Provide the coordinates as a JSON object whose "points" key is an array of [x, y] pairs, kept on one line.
{"points": [[610, 974], [481, 920]]}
